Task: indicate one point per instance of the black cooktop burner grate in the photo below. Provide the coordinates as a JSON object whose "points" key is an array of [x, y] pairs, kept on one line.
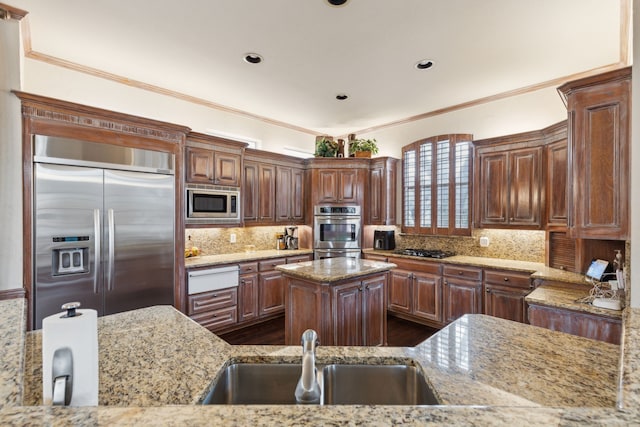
{"points": [[425, 253]]}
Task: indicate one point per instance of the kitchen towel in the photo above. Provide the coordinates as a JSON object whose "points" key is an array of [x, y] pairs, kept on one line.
{"points": [[80, 335]]}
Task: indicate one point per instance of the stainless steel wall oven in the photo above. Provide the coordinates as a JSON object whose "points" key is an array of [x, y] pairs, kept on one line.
{"points": [[337, 231]]}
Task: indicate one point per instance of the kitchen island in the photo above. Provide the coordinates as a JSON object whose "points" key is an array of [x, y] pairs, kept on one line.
{"points": [[156, 365], [343, 299]]}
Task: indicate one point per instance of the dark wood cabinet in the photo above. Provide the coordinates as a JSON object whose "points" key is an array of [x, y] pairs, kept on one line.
{"points": [[462, 291], [273, 189], [380, 207], [510, 186], [341, 181], [351, 312], [556, 185], [505, 292], [213, 160], [215, 310], [583, 324], [271, 287], [248, 292], [290, 194], [415, 291], [599, 109]]}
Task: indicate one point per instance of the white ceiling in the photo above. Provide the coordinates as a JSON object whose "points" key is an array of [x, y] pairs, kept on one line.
{"points": [[313, 51]]}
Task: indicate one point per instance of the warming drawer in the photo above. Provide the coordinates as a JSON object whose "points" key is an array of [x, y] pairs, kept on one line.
{"points": [[212, 279]]}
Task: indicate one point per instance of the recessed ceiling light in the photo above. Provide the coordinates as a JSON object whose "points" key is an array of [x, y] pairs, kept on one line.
{"points": [[424, 64], [342, 96], [336, 2], [253, 58]]}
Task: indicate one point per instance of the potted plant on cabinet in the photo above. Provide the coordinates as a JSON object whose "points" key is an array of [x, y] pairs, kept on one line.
{"points": [[363, 147], [326, 147]]}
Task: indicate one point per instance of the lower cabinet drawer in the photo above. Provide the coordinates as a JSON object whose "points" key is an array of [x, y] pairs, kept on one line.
{"points": [[213, 300], [508, 278], [217, 319]]}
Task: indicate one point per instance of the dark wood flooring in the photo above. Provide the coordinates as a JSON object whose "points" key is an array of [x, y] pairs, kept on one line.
{"points": [[400, 333]]}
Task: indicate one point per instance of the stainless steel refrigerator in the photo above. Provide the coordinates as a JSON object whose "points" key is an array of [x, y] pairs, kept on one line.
{"points": [[103, 227]]}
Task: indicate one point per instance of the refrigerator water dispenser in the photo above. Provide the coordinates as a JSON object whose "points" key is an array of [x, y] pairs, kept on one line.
{"points": [[70, 260]]}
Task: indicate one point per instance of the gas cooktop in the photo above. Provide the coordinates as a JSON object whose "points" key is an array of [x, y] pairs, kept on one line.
{"points": [[425, 253]]}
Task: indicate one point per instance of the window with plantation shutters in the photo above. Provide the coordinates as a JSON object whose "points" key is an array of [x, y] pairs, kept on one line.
{"points": [[436, 191]]}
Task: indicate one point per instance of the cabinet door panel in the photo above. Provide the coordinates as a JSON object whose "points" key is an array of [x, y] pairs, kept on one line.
{"points": [[427, 295], [557, 183], [328, 186], [271, 293], [267, 193], [375, 312], [248, 298], [250, 191], [227, 169], [525, 175], [283, 194], [348, 186], [400, 291], [493, 189], [462, 298], [199, 165], [506, 303], [297, 195], [348, 315]]}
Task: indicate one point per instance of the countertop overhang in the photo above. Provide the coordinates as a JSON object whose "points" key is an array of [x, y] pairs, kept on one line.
{"points": [[331, 270]]}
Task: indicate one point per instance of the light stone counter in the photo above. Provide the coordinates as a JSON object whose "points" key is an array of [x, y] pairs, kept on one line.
{"points": [[212, 260], [560, 295], [156, 364], [334, 269]]}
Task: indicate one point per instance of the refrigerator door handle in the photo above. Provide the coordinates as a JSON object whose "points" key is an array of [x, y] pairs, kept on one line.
{"points": [[97, 231], [110, 263]]}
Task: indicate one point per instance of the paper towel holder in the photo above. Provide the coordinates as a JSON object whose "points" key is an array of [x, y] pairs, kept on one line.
{"points": [[71, 309], [62, 376]]}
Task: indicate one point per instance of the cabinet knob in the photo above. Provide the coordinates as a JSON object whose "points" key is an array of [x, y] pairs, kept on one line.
{"points": [[366, 287], [506, 279], [242, 281], [460, 273], [511, 219], [215, 295], [360, 288], [487, 290]]}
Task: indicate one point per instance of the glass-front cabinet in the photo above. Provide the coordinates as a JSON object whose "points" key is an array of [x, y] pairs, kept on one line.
{"points": [[437, 185]]}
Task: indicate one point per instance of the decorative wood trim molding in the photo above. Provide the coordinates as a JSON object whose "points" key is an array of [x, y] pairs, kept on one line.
{"points": [[12, 293], [39, 107], [159, 90], [10, 12]]}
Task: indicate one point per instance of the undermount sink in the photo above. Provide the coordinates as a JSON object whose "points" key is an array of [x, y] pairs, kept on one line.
{"points": [[275, 384], [376, 385]]}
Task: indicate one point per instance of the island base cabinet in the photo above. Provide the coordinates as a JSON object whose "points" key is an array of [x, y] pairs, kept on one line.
{"points": [[352, 312], [582, 324]]}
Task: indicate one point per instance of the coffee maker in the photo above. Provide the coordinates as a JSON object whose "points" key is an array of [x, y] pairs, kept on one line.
{"points": [[291, 237], [384, 240]]}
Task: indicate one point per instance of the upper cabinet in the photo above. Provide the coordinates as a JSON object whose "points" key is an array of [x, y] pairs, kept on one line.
{"points": [[510, 181], [437, 185], [598, 155], [338, 180], [213, 160], [273, 189], [380, 208]]}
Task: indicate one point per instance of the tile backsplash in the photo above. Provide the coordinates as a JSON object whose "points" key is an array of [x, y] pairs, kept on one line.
{"points": [[521, 245]]}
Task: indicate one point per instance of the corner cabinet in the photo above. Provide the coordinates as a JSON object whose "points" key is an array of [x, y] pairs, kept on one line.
{"points": [[213, 160], [338, 180], [599, 109]]}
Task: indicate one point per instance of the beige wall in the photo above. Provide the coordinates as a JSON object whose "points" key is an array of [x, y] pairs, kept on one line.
{"points": [[10, 158]]}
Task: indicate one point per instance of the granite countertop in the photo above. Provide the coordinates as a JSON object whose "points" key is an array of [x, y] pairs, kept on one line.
{"points": [[537, 269], [561, 295], [156, 365], [211, 260], [330, 270]]}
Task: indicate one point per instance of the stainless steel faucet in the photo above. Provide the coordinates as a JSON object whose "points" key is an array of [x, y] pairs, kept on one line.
{"points": [[308, 389]]}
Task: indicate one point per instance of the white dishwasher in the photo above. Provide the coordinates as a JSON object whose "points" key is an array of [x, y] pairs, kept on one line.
{"points": [[212, 279]]}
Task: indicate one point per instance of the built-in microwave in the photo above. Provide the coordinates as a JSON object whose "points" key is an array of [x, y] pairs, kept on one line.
{"points": [[212, 204]]}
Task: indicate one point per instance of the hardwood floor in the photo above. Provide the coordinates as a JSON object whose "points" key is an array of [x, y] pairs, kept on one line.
{"points": [[400, 333]]}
